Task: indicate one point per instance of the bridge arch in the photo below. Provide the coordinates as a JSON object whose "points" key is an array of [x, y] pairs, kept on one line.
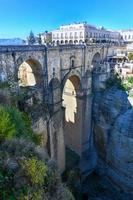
{"points": [[30, 73], [96, 66], [72, 105], [96, 59]]}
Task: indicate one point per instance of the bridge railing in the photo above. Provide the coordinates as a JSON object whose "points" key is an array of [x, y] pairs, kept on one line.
{"points": [[11, 48]]}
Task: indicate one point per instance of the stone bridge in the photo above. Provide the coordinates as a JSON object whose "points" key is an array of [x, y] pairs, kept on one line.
{"points": [[64, 78]]}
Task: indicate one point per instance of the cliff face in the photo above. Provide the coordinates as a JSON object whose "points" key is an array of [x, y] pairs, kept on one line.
{"points": [[113, 136]]}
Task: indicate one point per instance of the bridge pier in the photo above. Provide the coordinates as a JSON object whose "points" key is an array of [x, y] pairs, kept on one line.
{"points": [[57, 143]]}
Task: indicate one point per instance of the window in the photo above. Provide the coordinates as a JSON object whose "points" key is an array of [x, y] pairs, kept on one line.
{"points": [[61, 35], [72, 63], [66, 35], [81, 34]]}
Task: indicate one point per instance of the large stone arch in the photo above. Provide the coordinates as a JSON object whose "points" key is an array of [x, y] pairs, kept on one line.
{"points": [[30, 81], [72, 72], [72, 105], [27, 66]]}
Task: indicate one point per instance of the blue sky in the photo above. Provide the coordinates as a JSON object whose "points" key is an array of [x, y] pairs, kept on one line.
{"points": [[18, 17]]}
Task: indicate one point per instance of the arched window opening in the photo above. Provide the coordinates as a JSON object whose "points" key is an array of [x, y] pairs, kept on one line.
{"points": [[75, 41], [81, 42], [70, 42]]}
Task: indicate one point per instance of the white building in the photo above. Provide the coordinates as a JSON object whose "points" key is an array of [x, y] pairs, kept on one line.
{"points": [[46, 37], [126, 35], [79, 33]]}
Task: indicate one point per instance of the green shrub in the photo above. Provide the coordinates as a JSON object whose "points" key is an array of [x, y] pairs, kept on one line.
{"points": [[125, 84], [115, 80], [52, 180], [25, 175], [130, 56], [16, 124], [128, 83], [24, 172], [35, 170], [7, 128]]}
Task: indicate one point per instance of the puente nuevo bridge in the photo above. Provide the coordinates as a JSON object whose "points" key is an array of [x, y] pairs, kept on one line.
{"points": [[57, 86], [62, 77]]}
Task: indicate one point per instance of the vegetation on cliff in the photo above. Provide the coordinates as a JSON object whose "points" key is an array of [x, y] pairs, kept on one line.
{"points": [[125, 84], [25, 169]]}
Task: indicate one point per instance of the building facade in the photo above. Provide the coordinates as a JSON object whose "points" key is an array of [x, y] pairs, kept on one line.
{"points": [[79, 33], [126, 35]]}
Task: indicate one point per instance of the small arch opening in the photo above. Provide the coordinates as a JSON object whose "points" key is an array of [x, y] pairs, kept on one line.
{"points": [[96, 61], [70, 42]]}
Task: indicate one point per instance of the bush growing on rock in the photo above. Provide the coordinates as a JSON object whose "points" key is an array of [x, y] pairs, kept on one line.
{"points": [[125, 84], [7, 128], [26, 174], [22, 170], [13, 123], [25, 171]]}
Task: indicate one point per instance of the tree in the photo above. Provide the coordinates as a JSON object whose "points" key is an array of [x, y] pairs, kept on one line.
{"points": [[13, 123], [7, 128], [130, 56], [31, 38]]}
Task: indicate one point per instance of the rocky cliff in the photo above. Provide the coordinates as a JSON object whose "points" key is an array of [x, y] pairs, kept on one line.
{"points": [[113, 136]]}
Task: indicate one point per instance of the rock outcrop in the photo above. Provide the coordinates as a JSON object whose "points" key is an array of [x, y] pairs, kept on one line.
{"points": [[113, 134]]}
